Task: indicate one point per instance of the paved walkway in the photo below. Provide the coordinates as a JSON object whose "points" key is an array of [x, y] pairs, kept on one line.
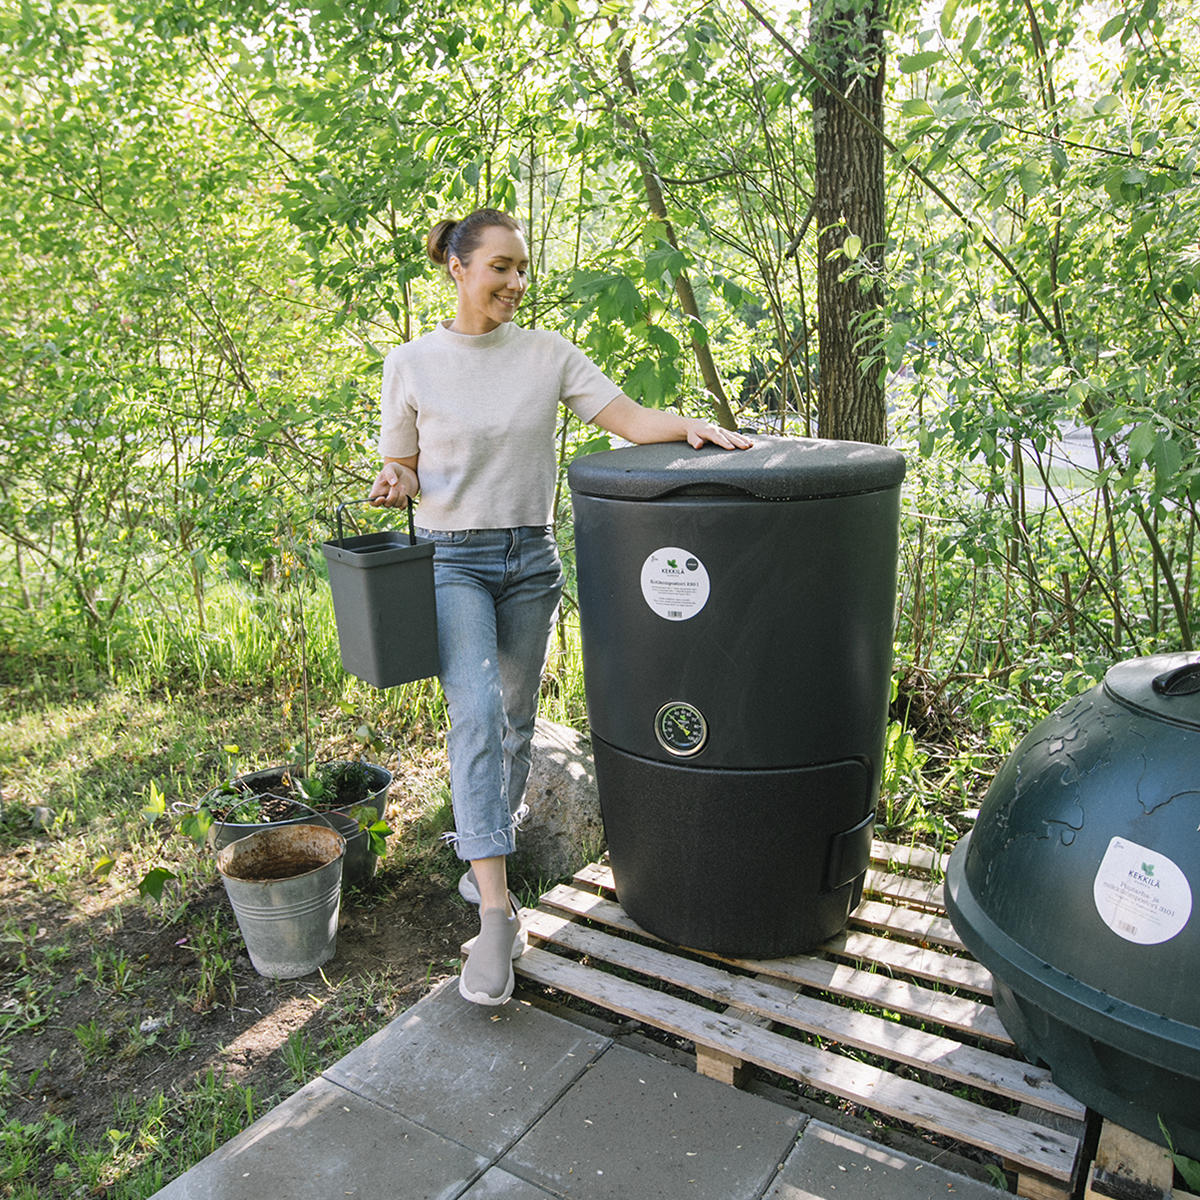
{"points": [[454, 1100]]}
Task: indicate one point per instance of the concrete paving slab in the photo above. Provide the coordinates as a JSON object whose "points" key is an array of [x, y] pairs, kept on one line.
{"points": [[830, 1165], [481, 1076], [637, 1127], [500, 1185], [324, 1142]]}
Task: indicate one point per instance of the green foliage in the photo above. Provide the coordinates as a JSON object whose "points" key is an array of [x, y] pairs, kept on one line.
{"points": [[1189, 1168], [215, 218], [1057, 296]]}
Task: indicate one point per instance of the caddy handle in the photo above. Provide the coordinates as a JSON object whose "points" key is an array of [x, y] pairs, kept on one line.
{"points": [[412, 537]]}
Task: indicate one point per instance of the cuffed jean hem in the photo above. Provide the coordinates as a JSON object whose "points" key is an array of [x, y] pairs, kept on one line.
{"points": [[469, 847]]}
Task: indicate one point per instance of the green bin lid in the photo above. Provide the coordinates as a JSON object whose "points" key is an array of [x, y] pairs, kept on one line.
{"points": [[1163, 686], [774, 468]]}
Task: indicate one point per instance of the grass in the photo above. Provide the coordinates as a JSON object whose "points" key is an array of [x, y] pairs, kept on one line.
{"points": [[95, 753], [302, 1057], [89, 755], [156, 1138], [150, 1142]]}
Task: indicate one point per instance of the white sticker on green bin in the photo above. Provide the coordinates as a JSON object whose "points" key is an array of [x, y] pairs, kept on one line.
{"points": [[1140, 894], [674, 583]]}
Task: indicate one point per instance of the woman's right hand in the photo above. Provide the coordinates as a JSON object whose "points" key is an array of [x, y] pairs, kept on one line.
{"points": [[393, 486]]}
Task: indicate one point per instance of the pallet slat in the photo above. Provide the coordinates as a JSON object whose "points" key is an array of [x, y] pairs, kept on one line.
{"points": [[895, 995], [920, 857], [904, 890], [908, 924], [1033, 1146], [881, 883], [875, 1035], [911, 960]]}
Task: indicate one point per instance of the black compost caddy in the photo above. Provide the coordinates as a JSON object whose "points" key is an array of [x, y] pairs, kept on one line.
{"points": [[737, 614], [384, 603]]}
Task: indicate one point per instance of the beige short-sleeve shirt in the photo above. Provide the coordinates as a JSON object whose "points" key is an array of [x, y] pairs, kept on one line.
{"points": [[482, 412]]}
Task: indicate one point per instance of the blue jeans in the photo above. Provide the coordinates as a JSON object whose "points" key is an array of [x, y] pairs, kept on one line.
{"points": [[497, 596]]}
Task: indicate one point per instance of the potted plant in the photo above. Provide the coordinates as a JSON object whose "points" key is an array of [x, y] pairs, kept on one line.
{"points": [[246, 803], [349, 794]]}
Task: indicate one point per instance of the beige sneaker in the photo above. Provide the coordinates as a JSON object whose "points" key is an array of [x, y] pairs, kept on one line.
{"points": [[487, 975]]}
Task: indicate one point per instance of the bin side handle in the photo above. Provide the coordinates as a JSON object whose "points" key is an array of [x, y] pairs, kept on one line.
{"points": [[850, 853], [412, 537]]}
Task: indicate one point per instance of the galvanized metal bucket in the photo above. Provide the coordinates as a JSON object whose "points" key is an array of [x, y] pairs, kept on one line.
{"points": [[285, 885]]}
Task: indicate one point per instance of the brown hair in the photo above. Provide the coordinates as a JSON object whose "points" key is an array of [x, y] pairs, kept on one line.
{"points": [[460, 239]]}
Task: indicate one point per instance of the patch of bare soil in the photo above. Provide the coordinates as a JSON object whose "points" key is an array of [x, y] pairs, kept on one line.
{"points": [[121, 1004]]}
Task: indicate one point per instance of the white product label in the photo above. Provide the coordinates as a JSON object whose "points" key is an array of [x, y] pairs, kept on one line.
{"points": [[1140, 894], [674, 583]]}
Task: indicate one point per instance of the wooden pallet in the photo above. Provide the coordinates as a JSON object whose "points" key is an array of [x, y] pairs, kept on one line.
{"points": [[897, 987], [1128, 1167]]}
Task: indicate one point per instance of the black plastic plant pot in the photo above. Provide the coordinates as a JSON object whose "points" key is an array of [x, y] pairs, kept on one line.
{"points": [[1076, 891], [736, 611], [384, 605]]}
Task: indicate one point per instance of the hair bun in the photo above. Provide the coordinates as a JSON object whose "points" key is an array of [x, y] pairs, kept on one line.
{"points": [[438, 243]]}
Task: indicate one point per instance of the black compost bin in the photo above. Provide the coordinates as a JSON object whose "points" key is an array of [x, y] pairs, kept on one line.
{"points": [[736, 611], [1076, 888]]}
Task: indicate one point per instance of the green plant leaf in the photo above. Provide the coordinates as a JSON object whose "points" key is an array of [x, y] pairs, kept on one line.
{"points": [[1113, 26], [1141, 442], [909, 64], [156, 803], [1189, 1168], [972, 35], [153, 881], [197, 824], [377, 836], [1168, 458], [946, 21]]}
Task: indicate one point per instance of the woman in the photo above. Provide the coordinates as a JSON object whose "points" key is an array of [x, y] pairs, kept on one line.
{"points": [[469, 418]]}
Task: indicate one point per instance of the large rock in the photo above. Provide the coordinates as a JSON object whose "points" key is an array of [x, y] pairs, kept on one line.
{"points": [[564, 829]]}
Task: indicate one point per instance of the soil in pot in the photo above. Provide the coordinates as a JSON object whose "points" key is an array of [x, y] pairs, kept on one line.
{"points": [[331, 786]]}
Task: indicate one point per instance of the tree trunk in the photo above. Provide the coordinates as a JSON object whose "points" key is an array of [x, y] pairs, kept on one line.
{"points": [[849, 202]]}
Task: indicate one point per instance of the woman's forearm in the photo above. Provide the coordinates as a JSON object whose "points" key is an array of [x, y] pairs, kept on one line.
{"points": [[629, 420]]}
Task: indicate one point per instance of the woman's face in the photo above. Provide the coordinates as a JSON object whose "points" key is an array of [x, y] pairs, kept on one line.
{"points": [[491, 285]]}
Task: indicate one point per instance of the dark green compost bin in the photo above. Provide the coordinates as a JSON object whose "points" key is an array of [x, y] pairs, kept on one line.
{"points": [[1076, 890], [737, 612]]}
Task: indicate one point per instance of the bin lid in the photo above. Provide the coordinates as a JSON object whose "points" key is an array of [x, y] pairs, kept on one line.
{"points": [[1163, 686], [774, 468]]}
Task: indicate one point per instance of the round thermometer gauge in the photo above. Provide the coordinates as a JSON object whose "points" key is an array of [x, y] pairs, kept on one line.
{"points": [[681, 729]]}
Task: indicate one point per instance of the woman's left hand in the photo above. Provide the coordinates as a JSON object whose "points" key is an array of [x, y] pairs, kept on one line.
{"points": [[699, 432]]}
